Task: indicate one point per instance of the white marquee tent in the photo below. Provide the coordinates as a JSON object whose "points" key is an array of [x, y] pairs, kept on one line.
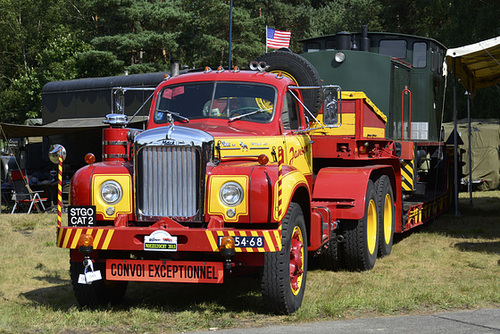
{"points": [[475, 66]]}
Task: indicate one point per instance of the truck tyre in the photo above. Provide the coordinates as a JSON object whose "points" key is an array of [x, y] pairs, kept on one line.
{"points": [[360, 246], [386, 210], [329, 258], [99, 293], [285, 272], [301, 71]]}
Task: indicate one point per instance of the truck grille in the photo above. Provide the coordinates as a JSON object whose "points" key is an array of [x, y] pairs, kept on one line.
{"points": [[168, 181]]}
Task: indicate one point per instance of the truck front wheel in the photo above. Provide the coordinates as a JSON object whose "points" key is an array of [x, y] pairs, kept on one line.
{"points": [[285, 272], [360, 246], [99, 293]]}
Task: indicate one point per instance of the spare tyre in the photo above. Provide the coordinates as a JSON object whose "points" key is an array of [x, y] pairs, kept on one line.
{"points": [[300, 70]]}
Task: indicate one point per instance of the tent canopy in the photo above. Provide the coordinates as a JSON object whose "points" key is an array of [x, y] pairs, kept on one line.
{"points": [[59, 127], [476, 65]]}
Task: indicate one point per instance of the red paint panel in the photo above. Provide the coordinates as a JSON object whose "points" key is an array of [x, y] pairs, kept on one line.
{"points": [[260, 196], [370, 118], [407, 150], [346, 186], [81, 183]]}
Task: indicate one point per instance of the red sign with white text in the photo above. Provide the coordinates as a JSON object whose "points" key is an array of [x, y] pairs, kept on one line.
{"points": [[164, 271]]}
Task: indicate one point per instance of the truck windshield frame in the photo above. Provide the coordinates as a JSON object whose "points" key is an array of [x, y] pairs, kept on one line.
{"points": [[217, 100]]}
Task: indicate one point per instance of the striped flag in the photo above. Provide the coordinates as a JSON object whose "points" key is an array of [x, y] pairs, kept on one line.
{"points": [[277, 39]]}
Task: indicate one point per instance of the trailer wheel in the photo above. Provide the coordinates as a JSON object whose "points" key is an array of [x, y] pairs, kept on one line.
{"points": [[301, 71], [386, 211], [285, 272], [360, 246], [99, 293]]}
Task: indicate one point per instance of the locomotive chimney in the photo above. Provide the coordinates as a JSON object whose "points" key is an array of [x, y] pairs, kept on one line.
{"points": [[365, 41]]}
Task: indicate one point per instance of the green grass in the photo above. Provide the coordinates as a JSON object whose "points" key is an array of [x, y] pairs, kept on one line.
{"points": [[451, 263]]}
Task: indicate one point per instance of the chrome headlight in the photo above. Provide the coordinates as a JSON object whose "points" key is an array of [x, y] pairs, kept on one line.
{"points": [[111, 192], [339, 57], [231, 193]]}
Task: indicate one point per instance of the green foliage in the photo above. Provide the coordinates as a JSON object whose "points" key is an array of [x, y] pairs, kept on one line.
{"points": [[97, 64], [49, 40]]}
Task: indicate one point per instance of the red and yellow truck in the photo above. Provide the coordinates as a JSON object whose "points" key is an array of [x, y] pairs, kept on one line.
{"points": [[241, 170]]}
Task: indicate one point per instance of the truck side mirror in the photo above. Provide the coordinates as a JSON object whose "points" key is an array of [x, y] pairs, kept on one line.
{"points": [[331, 105]]}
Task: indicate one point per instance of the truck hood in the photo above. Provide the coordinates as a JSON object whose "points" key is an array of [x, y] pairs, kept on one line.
{"points": [[227, 130], [231, 142]]}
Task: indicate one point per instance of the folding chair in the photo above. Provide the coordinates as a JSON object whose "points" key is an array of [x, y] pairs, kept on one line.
{"points": [[23, 193]]}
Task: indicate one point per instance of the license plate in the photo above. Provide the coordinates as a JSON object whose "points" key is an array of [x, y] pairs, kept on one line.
{"points": [[81, 215], [251, 242], [164, 271]]}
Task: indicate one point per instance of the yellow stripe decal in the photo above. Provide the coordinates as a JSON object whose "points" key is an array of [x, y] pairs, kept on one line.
{"points": [[277, 237], [97, 237], [76, 238], [268, 242], [66, 239], [211, 240], [108, 239], [59, 236]]}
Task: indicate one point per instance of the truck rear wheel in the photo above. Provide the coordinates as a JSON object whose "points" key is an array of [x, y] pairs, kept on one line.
{"points": [[386, 211], [99, 293], [285, 272], [329, 258], [301, 71], [360, 246]]}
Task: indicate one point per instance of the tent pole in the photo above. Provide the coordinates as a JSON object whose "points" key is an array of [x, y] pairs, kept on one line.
{"points": [[455, 147], [467, 94]]}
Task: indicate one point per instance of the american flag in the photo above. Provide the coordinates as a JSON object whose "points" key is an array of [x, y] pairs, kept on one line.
{"points": [[277, 39]]}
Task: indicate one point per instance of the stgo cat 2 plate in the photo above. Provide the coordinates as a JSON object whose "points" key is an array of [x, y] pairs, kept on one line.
{"points": [[81, 215]]}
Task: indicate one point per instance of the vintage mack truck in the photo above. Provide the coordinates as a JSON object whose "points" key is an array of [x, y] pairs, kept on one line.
{"points": [[247, 170]]}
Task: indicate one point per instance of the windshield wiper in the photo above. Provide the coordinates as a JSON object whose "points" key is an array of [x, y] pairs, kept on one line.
{"points": [[231, 119], [176, 114]]}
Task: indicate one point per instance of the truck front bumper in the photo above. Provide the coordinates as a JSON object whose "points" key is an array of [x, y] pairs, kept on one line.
{"points": [[188, 239]]}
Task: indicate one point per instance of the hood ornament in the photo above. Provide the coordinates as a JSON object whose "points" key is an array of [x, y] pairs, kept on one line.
{"points": [[170, 120]]}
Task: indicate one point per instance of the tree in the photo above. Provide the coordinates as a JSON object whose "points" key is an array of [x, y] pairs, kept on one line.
{"points": [[36, 48]]}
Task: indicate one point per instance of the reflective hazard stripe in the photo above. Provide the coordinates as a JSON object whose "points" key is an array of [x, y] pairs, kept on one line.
{"points": [[68, 238], [272, 240], [408, 174]]}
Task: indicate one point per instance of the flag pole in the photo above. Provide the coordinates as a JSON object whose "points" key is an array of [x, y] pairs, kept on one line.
{"points": [[266, 38], [230, 31]]}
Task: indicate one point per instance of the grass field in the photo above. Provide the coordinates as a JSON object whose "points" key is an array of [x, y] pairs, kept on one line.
{"points": [[451, 263]]}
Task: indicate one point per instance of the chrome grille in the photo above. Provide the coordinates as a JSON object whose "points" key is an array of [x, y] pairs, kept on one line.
{"points": [[169, 183]]}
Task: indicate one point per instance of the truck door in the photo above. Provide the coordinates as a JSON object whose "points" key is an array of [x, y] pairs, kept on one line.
{"points": [[298, 150]]}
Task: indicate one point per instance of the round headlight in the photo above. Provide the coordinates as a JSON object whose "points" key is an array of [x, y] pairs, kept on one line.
{"points": [[111, 192], [231, 194], [339, 57]]}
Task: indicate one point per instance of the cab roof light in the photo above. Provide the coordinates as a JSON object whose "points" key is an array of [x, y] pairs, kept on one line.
{"points": [[207, 69], [263, 159], [220, 69], [89, 158]]}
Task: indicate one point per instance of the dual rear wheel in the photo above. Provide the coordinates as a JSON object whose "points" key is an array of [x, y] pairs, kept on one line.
{"points": [[367, 238]]}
